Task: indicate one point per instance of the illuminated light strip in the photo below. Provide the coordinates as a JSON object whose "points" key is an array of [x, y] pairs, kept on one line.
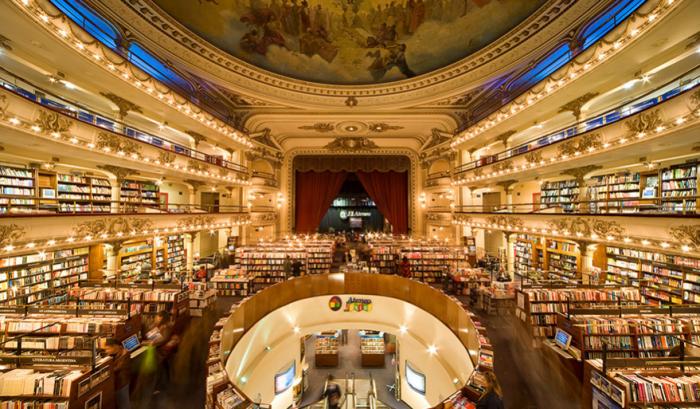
{"points": [[25, 126], [618, 240], [88, 50], [672, 124], [574, 72]]}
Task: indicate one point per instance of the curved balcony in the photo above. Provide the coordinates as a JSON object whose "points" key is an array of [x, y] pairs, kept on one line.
{"points": [[77, 112], [241, 324], [627, 109]]}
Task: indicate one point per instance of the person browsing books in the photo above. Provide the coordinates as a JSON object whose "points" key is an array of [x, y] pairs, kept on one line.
{"points": [[491, 398], [122, 369]]}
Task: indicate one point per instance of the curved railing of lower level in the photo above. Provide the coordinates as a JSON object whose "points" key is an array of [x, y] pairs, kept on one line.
{"points": [[443, 307]]}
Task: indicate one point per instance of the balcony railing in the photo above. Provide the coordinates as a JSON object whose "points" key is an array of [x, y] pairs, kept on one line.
{"points": [[27, 90], [45, 208], [626, 109], [648, 206]]}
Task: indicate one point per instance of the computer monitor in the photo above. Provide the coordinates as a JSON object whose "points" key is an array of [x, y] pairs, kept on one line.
{"points": [[562, 339], [131, 343]]}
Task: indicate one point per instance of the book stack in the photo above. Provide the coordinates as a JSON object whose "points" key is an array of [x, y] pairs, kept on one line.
{"points": [[661, 389]]}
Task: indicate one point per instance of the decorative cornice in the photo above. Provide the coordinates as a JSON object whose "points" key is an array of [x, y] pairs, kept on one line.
{"points": [[192, 223], [380, 127], [505, 136], [166, 157], [534, 156], [123, 105], [322, 127], [116, 143], [196, 184], [688, 235], [351, 144], [119, 172], [10, 234], [52, 122], [506, 184], [197, 137], [580, 173], [506, 222], [586, 143], [577, 104], [112, 226], [585, 227], [644, 122]]}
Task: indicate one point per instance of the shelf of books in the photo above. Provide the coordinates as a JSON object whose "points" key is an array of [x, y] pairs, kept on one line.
{"points": [[137, 193], [201, 298], [232, 282], [529, 253], [663, 278], [617, 193], [538, 308], [643, 332], [326, 349], [429, 264], [372, 349], [563, 194], [563, 260], [679, 188], [41, 277], [383, 259], [319, 257], [146, 299], [83, 194], [18, 189], [177, 255], [266, 264]]}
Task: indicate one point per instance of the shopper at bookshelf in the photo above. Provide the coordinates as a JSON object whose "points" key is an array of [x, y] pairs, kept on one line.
{"points": [[296, 268], [332, 393], [405, 268], [160, 336], [491, 398], [122, 367], [287, 266]]}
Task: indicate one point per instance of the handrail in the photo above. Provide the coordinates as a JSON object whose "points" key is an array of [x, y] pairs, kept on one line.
{"points": [[607, 117], [90, 116], [433, 301], [109, 207], [644, 206]]}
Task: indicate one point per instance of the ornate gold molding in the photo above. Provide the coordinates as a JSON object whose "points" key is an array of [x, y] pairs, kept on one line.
{"points": [[533, 157], [580, 172], [123, 105], [688, 235], [50, 121], [380, 127], [503, 137], [644, 122], [196, 184], [119, 172], [577, 104], [505, 221], [197, 165], [113, 226], [351, 144], [166, 157], [10, 233], [506, 184], [584, 143], [197, 137], [117, 143], [503, 165], [195, 222], [586, 226], [322, 127], [3, 105]]}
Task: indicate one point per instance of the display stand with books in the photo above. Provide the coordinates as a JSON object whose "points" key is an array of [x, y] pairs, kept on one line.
{"points": [[372, 349], [146, 299], [326, 350], [232, 282]]}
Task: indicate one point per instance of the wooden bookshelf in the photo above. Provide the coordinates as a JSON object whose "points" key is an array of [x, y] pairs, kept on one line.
{"points": [[529, 253], [563, 260], [562, 193], [17, 189], [678, 182], [138, 193]]}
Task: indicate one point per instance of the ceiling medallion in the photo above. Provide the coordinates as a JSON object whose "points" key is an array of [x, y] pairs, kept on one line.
{"points": [[321, 127], [351, 144]]}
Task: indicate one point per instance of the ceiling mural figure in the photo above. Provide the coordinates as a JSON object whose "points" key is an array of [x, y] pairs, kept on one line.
{"points": [[350, 41]]}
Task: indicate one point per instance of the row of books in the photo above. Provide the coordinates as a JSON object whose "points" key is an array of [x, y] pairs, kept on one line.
{"points": [[25, 381], [646, 388]]}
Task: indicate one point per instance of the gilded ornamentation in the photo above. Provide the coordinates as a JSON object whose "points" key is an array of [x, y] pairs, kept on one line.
{"points": [[196, 184], [321, 127], [503, 138], [197, 166], [644, 122], [695, 99], [351, 144], [117, 143], [533, 157], [586, 226], [580, 172], [119, 172], [478, 172], [351, 102], [582, 144], [195, 222], [265, 218], [461, 219], [166, 157], [437, 137], [51, 121], [123, 105], [10, 233], [265, 138], [197, 137], [383, 127], [503, 165], [506, 184], [505, 221], [3, 105], [577, 104], [686, 234], [112, 226]]}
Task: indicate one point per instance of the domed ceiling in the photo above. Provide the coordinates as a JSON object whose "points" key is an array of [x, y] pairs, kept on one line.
{"points": [[350, 42]]}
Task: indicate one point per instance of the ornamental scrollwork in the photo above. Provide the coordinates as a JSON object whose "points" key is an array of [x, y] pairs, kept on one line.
{"points": [[3, 105], [117, 143], [585, 143], [586, 226], [644, 122], [10, 233], [197, 166], [53, 122], [195, 222], [321, 127], [686, 234], [112, 226], [504, 165], [165, 157], [533, 157], [505, 221], [695, 99], [351, 144]]}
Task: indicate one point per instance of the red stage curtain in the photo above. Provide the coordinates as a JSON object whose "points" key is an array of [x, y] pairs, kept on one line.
{"points": [[315, 192], [389, 190]]}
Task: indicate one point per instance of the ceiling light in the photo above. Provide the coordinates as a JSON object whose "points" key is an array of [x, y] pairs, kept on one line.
{"points": [[69, 85], [629, 84], [432, 350]]}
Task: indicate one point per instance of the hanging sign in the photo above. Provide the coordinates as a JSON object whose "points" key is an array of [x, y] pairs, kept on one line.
{"points": [[344, 214]]}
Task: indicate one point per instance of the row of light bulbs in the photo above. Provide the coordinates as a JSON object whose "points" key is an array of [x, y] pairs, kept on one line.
{"points": [[551, 85], [97, 53], [577, 235], [36, 129], [589, 151], [104, 236]]}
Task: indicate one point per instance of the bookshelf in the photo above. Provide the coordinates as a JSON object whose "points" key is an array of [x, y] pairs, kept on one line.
{"points": [[136, 193], [677, 183], [616, 193], [372, 349], [142, 299], [663, 278], [42, 276], [131, 257], [562, 193], [319, 258], [266, 264], [538, 308], [429, 264], [563, 260], [326, 350], [176, 254], [383, 259], [17, 186], [232, 282], [529, 253]]}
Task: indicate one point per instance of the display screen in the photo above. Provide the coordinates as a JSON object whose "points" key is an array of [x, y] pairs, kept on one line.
{"points": [[415, 379], [562, 338], [355, 222], [131, 343], [284, 379]]}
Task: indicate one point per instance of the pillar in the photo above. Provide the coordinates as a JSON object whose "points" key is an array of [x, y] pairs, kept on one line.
{"points": [[510, 253]]}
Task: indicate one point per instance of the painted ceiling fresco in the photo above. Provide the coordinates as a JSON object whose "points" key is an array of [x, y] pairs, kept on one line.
{"points": [[350, 41]]}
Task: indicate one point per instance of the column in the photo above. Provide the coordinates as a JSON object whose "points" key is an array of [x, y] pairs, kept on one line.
{"points": [[510, 253]]}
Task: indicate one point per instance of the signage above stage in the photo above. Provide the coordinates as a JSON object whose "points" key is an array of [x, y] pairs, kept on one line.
{"points": [[351, 305], [344, 214]]}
